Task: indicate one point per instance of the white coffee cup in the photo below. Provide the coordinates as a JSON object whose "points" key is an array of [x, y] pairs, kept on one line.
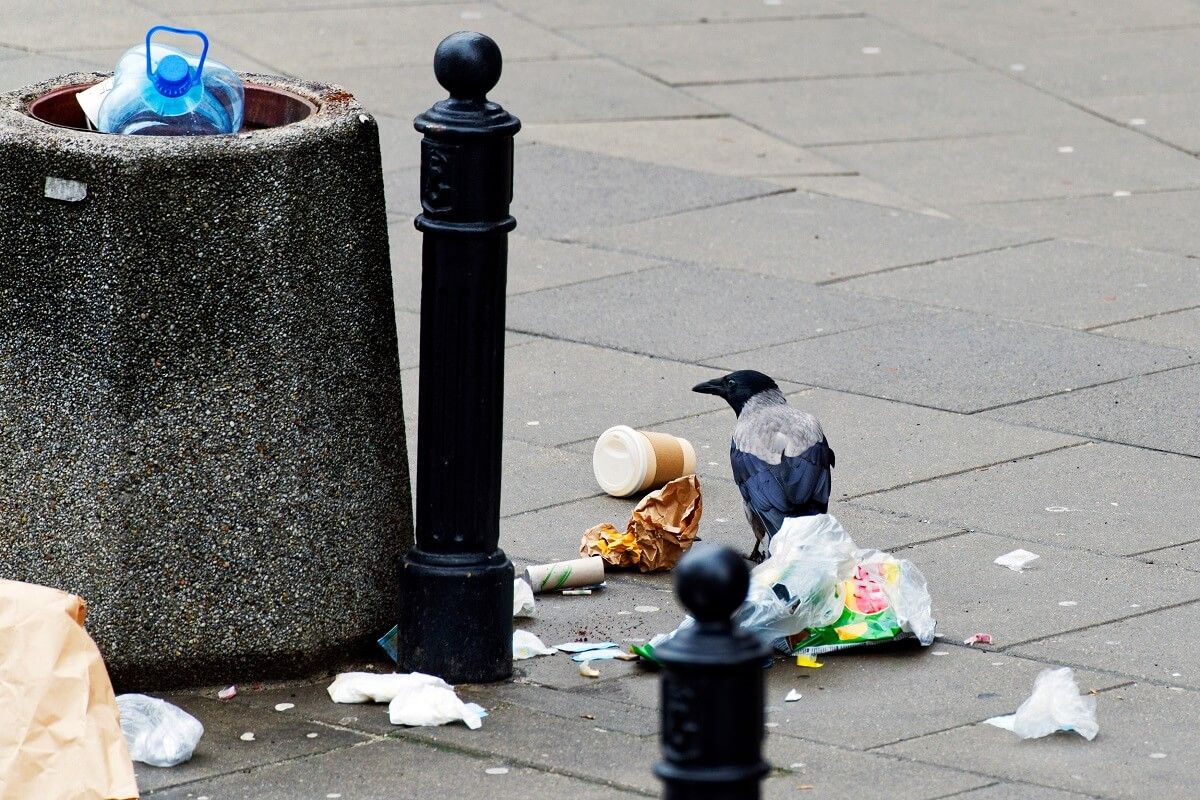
{"points": [[627, 461]]}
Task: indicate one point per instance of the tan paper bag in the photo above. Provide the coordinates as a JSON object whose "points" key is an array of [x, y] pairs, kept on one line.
{"points": [[60, 733]]}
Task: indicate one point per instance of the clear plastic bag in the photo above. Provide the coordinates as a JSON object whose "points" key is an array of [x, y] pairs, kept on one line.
{"points": [[156, 732], [1055, 705]]}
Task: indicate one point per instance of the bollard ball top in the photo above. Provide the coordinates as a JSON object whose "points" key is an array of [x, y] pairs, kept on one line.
{"points": [[712, 583], [467, 65]]}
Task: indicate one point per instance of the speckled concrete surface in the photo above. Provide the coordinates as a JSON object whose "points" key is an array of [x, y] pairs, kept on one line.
{"points": [[200, 415]]}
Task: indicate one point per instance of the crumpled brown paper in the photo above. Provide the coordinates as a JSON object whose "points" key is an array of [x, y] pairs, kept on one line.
{"points": [[660, 530], [60, 734]]}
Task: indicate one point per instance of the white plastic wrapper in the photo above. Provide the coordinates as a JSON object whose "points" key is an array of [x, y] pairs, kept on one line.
{"points": [[362, 687], [523, 604], [527, 645], [156, 732], [1055, 705], [432, 705], [799, 586]]}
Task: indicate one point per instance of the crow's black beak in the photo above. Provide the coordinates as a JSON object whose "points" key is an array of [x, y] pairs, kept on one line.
{"points": [[710, 387]]}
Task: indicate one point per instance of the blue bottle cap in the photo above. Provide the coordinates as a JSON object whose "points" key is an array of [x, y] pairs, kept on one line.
{"points": [[173, 77]]}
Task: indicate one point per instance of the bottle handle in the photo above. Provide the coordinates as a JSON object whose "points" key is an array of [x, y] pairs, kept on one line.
{"points": [[185, 32]]}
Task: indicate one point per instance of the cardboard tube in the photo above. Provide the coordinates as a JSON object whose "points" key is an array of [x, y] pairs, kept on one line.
{"points": [[565, 574]]}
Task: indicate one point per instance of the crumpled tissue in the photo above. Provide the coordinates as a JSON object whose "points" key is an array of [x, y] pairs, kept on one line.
{"points": [[527, 645], [413, 698], [1055, 705]]}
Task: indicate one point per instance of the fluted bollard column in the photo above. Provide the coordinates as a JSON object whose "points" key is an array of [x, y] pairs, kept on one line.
{"points": [[456, 611], [712, 687]]}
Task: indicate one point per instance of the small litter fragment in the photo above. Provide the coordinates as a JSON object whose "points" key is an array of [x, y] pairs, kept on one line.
{"points": [[1016, 67], [871, 51], [581, 647], [533, 423], [496, 770], [228, 693], [645, 609], [1055, 705], [1068, 603], [332, 796], [528, 645], [587, 671], [576, 592], [1121, 193], [940, 653], [805, 660], [284, 706], [360, 687], [523, 604], [388, 643], [978, 638], [624, 613], [1017, 560], [772, 724], [604, 655], [248, 736], [1158, 755], [311, 735], [1137, 121], [1066, 148], [792, 696], [587, 716]]}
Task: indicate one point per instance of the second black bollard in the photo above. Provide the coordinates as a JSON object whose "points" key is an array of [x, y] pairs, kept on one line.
{"points": [[457, 584], [712, 687]]}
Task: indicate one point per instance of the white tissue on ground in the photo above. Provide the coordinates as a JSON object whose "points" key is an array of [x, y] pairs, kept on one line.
{"points": [[362, 687], [523, 605], [1055, 705], [527, 645], [413, 698], [156, 732]]}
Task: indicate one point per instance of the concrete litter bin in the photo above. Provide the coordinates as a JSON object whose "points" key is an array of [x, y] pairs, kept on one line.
{"points": [[201, 429]]}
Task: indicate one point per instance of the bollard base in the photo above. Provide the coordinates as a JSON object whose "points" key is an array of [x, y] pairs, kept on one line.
{"points": [[456, 616]]}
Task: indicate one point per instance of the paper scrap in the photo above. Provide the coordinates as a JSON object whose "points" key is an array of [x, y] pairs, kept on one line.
{"points": [[792, 696], [284, 706], [248, 736], [1017, 560], [527, 645], [523, 605], [91, 98], [228, 693], [600, 655], [586, 670], [579, 647], [660, 530], [978, 638]]}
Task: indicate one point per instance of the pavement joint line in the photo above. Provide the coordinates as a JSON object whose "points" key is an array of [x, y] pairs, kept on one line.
{"points": [[1133, 680], [832, 76], [1094, 439], [949, 137], [845, 173], [639, 118], [552, 505], [1153, 315], [707, 21], [366, 5], [479, 753], [1154, 550], [1139, 613], [1085, 196], [1089, 386], [255, 767], [584, 282], [962, 792], [932, 261], [822, 335], [967, 470]]}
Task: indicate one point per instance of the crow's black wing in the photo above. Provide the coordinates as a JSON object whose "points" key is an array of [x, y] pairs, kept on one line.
{"points": [[797, 486]]}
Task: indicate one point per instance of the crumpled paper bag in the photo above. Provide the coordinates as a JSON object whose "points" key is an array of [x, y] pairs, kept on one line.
{"points": [[61, 733], [660, 530]]}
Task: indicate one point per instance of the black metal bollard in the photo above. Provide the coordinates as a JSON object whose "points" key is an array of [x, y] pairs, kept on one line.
{"points": [[712, 687], [456, 610]]}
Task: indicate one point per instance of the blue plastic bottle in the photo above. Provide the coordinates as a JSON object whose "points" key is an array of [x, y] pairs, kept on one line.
{"points": [[158, 90]]}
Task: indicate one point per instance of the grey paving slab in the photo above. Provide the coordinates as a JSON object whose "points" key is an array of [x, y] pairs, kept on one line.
{"points": [[1058, 283], [867, 698], [574, 747], [313, 711], [533, 264], [538, 476], [606, 714], [1184, 555], [543, 402], [1156, 411], [1151, 220], [721, 145], [1018, 791], [802, 236], [1152, 646], [566, 14], [966, 24], [977, 363], [78, 25], [740, 51], [973, 595], [1165, 116], [1100, 159], [307, 41], [389, 769], [879, 108], [557, 190], [1135, 722], [884, 530], [19, 69], [277, 736], [243, 6], [104, 59], [852, 186], [408, 338], [1102, 64], [537, 91], [1102, 497], [693, 313], [1176, 329]]}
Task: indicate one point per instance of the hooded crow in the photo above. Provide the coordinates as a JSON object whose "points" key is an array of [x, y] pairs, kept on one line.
{"points": [[780, 457]]}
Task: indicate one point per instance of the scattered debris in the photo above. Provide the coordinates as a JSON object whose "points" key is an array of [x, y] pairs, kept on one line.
{"points": [[581, 647], [157, 733], [792, 696], [604, 655], [388, 643], [1068, 603], [228, 693], [496, 770], [284, 706], [523, 604], [528, 645], [587, 716], [1055, 705], [574, 574], [312, 735], [586, 670], [1017, 560], [248, 736], [576, 592], [660, 530], [646, 609], [978, 638], [805, 660]]}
